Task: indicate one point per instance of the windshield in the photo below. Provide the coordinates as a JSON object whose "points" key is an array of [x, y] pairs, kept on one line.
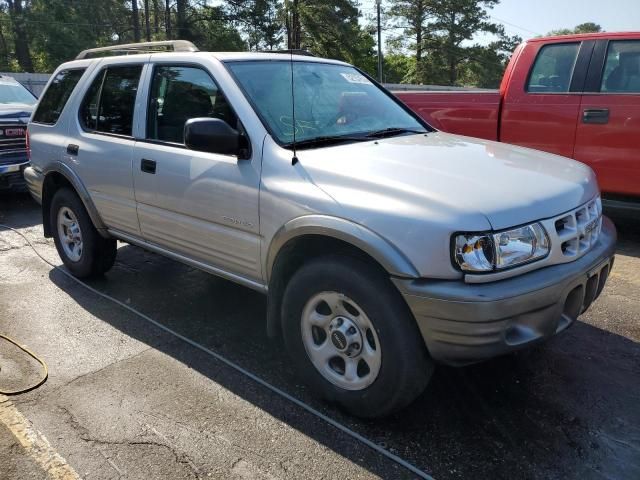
{"points": [[331, 100], [15, 93]]}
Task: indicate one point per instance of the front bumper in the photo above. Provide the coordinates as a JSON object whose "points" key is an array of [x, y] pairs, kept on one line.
{"points": [[11, 176], [465, 323]]}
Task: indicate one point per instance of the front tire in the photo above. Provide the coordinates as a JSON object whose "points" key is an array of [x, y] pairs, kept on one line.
{"points": [[82, 249], [353, 338]]}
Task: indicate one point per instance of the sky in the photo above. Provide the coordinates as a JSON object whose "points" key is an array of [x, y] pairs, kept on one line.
{"points": [[531, 18]]}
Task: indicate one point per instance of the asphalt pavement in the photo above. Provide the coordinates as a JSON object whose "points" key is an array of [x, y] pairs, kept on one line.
{"points": [[125, 399]]}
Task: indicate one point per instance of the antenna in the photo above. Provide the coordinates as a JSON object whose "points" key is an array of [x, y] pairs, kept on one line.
{"points": [[294, 160]]}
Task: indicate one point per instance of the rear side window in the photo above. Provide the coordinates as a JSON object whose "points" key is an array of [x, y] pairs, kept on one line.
{"points": [[622, 68], [109, 103], [56, 96], [553, 68]]}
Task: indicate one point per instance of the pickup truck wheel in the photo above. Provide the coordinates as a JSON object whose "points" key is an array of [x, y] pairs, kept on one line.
{"points": [[352, 337], [82, 249]]}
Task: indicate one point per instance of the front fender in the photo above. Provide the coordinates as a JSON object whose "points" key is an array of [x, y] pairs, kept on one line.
{"points": [[380, 249]]}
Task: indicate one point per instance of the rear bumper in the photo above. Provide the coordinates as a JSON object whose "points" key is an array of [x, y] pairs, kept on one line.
{"points": [[11, 176], [465, 323], [34, 181]]}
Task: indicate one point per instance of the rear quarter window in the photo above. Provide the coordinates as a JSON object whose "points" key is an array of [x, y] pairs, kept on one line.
{"points": [[56, 96]]}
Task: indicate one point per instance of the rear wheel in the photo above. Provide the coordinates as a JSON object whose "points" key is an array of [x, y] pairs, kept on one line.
{"points": [[82, 249], [352, 337]]}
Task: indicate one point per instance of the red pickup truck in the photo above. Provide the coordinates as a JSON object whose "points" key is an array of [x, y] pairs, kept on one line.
{"points": [[574, 95]]}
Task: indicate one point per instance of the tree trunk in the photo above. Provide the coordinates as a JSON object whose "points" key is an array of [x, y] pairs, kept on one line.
{"points": [[418, 28], [451, 54], [21, 38], [156, 17], [135, 18], [418, 46], [181, 9], [147, 23], [287, 26], [167, 19], [5, 49], [295, 20]]}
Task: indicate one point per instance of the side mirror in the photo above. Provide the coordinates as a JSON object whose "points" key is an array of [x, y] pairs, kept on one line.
{"points": [[212, 135]]}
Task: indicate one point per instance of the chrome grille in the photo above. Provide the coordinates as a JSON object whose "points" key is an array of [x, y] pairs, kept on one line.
{"points": [[571, 236], [576, 232], [12, 139]]}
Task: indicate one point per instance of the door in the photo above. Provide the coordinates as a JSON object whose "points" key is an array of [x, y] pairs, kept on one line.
{"points": [[200, 205], [541, 106], [608, 136], [100, 143]]}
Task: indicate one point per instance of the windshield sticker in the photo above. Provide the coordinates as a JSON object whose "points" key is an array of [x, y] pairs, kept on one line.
{"points": [[356, 78]]}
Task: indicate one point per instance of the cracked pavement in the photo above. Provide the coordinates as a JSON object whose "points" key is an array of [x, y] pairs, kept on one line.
{"points": [[126, 400]]}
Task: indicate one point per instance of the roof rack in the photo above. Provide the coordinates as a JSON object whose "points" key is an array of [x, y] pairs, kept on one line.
{"points": [[293, 51], [142, 47]]}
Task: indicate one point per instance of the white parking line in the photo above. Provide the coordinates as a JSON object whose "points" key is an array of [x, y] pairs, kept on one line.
{"points": [[35, 443]]}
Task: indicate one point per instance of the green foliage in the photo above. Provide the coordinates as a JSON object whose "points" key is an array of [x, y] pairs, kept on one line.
{"points": [[435, 45], [414, 15], [209, 28], [56, 30], [588, 27], [399, 68], [40, 34], [331, 29], [59, 30], [441, 32], [260, 21]]}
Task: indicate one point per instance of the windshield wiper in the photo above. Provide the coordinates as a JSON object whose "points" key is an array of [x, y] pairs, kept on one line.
{"points": [[327, 140], [390, 132]]}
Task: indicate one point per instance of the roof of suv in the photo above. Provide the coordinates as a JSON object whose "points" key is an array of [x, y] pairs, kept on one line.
{"points": [[183, 49], [221, 56], [246, 56]]}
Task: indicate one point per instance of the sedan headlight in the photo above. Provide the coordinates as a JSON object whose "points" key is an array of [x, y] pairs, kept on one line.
{"points": [[486, 252]]}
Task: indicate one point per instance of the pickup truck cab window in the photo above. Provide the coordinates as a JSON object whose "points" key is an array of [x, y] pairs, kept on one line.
{"points": [[330, 101], [622, 67], [179, 93], [109, 103], [553, 68]]}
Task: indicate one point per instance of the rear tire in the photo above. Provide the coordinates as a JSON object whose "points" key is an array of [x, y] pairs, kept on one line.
{"points": [[366, 324], [82, 249]]}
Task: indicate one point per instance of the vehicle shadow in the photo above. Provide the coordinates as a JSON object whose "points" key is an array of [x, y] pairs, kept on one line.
{"points": [[542, 414], [628, 225], [19, 210]]}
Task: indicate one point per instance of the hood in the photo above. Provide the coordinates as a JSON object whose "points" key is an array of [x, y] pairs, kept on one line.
{"points": [[453, 176], [15, 112]]}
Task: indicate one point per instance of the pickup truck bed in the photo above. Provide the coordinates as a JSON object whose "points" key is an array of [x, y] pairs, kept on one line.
{"points": [[469, 113]]}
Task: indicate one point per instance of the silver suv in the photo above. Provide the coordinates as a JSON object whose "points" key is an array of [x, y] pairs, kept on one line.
{"points": [[383, 245]]}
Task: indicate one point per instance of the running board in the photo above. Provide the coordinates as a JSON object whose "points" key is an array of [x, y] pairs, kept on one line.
{"points": [[189, 261]]}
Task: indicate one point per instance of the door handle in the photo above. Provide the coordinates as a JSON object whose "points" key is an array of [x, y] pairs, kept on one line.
{"points": [[148, 166], [73, 149], [595, 115]]}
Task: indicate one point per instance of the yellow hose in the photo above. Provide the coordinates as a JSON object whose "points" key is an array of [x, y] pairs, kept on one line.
{"points": [[45, 370]]}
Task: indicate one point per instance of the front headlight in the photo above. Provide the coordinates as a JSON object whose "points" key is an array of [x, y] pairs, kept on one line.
{"points": [[486, 252]]}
